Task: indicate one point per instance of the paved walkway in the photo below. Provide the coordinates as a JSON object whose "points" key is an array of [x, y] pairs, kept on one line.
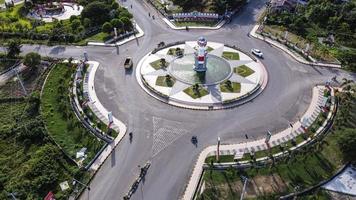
{"points": [[173, 26], [292, 53], [121, 42], [291, 132], [102, 114]]}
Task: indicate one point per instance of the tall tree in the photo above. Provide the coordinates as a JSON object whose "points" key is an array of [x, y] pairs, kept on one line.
{"points": [[13, 48]]}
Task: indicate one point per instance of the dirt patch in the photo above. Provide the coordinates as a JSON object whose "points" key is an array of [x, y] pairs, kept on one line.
{"points": [[262, 185], [257, 186]]}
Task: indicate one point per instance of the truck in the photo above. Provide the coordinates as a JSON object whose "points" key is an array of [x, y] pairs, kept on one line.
{"points": [[128, 63]]}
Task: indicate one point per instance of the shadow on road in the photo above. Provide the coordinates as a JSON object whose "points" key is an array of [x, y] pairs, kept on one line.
{"points": [[57, 50]]}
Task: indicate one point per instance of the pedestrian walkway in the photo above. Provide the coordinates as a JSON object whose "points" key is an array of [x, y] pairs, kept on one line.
{"points": [[101, 112], [292, 53], [258, 145], [173, 26]]}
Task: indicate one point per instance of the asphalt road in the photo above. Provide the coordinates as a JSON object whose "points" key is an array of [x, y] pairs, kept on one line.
{"points": [[162, 133]]}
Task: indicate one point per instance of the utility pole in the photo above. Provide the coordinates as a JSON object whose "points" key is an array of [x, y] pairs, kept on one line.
{"points": [[76, 181]]}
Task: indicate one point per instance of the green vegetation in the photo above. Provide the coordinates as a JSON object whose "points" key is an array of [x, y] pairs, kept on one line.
{"points": [[230, 87], [15, 24], [195, 23], [196, 91], [159, 64], [165, 81], [60, 120], [231, 55], [30, 164], [175, 51], [243, 71], [317, 20]]}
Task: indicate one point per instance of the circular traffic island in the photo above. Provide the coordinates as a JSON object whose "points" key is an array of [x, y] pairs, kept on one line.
{"points": [[201, 75]]}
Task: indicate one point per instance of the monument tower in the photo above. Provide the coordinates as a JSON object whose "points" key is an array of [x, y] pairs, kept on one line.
{"points": [[200, 55]]}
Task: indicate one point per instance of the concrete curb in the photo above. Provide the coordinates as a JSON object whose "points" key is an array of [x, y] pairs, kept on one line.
{"points": [[173, 26], [101, 112], [289, 52], [210, 150], [124, 41]]}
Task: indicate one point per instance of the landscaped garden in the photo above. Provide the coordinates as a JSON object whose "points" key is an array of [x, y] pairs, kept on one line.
{"points": [[231, 55], [243, 71], [165, 81], [300, 169], [196, 91], [327, 26], [159, 64], [95, 23], [230, 87], [59, 117]]}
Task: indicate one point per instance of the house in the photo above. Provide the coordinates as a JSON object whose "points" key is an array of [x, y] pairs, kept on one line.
{"points": [[285, 5]]}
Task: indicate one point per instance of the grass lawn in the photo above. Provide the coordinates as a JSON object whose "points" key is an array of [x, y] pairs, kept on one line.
{"points": [[99, 37], [235, 87], [2, 1], [243, 71], [162, 81], [231, 55], [15, 17], [192, 23], [62, 125], [202, 92], [157, 64], [172, 51]]}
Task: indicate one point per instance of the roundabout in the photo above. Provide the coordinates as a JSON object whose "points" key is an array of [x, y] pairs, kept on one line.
{"points": [[201, 75]]}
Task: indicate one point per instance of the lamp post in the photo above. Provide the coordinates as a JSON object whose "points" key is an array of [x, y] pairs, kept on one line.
{"points": [[218, 150]]}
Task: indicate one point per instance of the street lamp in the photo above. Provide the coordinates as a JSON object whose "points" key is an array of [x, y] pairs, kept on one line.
{"points": [[76, 181]]}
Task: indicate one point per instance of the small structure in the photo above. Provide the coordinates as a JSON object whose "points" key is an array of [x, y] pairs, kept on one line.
{"points": [[284, 5]]}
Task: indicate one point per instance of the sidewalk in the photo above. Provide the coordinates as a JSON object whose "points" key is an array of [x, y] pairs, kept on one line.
{"points": [[101, 112], [291, 132], [173, 26], [292, 53], [121, 42]]}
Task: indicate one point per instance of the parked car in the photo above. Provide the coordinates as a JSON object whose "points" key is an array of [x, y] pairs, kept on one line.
{"points": [[128, 63], [257, 52]]}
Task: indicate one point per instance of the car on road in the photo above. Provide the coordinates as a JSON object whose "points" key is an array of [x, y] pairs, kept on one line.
{"points": [[257, 52], [128, 63]]}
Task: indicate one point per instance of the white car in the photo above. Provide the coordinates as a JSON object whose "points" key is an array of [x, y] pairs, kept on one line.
{"points": [[257, 52]]}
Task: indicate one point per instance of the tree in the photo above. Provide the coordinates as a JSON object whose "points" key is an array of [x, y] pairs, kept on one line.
{"points": [[97, 12], [86, 22], [126, 23], [117, 23], [347, 143], [13, 48], [75, 24], [32, 60], [107, 28]]}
